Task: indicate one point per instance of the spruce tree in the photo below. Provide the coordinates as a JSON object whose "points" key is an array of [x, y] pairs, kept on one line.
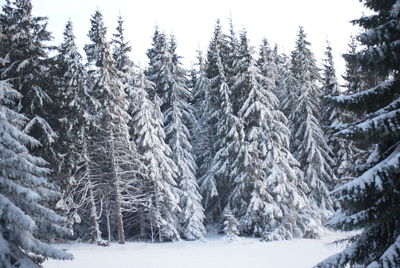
{"points": [[230, 226], [24, 191], [268, 198], [172, 88], [77, 106], [202, 140], [309, 143], [216, 77], [159, 212], [178, 119], [369, 203], [332, 118], [24, 45], [122, 162]]}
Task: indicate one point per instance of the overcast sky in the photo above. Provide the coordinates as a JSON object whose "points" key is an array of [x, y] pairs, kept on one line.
{"points": [[192, 22]]}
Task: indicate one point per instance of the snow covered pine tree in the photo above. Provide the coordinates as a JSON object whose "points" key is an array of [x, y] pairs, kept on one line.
{"points": [[171, 87], [309, 143], [370, 202], [121, 160], [24, 191], [159, 214]]}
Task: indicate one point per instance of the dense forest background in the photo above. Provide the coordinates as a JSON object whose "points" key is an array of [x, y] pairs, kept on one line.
{"points": [[251, 142]]}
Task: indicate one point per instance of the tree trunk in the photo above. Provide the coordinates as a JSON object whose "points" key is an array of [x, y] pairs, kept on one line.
{"points": [[142, 223], [108, 212], [96, 233], [93, 216], [118, 212]]}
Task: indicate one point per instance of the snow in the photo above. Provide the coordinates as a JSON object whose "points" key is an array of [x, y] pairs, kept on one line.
{"points": [[215, 251]]}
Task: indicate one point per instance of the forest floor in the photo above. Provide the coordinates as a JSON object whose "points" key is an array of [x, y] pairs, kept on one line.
{"points": [[214, 251]]}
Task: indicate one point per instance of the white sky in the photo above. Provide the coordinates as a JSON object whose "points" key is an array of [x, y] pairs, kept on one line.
{"points": [[193, 22]]}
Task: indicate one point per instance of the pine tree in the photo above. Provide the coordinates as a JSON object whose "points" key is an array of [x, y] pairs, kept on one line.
{"points": [[228, 138], [352, 74], [332, 118], [24, 192], [122, 161], [23, 44], [214, 69], [178, 118], [309, 143], [268, 197], [202, 140], [159, 211], [77, 106], [230, 226], [370, 201]]}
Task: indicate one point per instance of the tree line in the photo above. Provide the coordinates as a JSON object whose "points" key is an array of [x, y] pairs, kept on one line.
{"points": [[250, 142]]}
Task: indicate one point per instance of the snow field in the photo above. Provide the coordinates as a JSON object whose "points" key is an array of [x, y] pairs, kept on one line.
{"points": [[213, 252]]}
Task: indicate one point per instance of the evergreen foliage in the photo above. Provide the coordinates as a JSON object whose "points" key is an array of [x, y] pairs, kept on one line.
{"points": [[309, 143], [161, 207], [268, 197], [24, 45], [370, 202], [122, 163], [24, 192]]}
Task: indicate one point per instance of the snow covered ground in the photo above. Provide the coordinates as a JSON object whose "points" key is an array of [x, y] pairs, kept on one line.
{"points": [[213, 252]]}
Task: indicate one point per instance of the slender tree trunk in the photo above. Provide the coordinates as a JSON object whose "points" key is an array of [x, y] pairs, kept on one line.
{"points": [[118, 212], [96, 234], [160, 238], [142, 222], [108, 212], [93, 215]]}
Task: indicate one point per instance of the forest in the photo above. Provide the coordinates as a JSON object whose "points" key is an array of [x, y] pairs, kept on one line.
{"points": [[250, 142]]}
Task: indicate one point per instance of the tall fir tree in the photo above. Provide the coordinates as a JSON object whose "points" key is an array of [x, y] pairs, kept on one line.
{"points": [[159, 212], [332, 118], [123, 163], [268, 65], [309, 143], [268, 196], [24, 192], [77, 105], [202, 139], [217, 50], [24, 45], [178, 121], [172, 89], [369, 203]]}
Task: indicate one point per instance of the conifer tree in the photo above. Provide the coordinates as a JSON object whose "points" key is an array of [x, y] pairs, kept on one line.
{"points": [[171, 87], [268, 197], [23, 44], [333, 118], [202, 140], [77, 106], [309, 143], [352, 74], [122, 162], [24, 191], [230, 226], [215, 71], [178, 119], [370, 202], [228, 138], [161, 207]]}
